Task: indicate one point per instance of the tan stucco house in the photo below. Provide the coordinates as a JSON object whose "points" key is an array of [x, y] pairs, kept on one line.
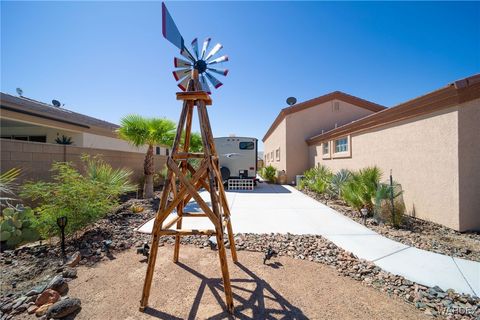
{"points": [[29, 130], [430, 143], [285, 145]]}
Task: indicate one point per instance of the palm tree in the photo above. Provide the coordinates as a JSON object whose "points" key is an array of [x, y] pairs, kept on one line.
{"points": [[140, 131]]}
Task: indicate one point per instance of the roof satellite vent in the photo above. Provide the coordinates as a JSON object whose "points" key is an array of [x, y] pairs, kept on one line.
{"points": [[291, 101], [56, 103], [19, 91]]}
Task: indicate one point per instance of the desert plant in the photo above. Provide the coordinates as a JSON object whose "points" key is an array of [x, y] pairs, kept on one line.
{"points": [[317, 179], [83, 199], [17, 226], [269, 173], [383, 204], [7, 185], [140, 131], [338, 181], [116, 181], [64, 140], [360, 190]]}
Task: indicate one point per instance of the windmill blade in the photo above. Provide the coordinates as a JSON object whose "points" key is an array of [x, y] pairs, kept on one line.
{"points": [[205, 47], [184, 52], [179, 74], [218, 60], [214, 51], [195, 47], [223, 72], [214, 81], [170, 30], [204, 84], [179, 63], [184, 83]]}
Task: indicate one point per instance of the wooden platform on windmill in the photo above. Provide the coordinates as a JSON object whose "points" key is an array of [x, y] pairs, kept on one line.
{"points": [[183, 183]]}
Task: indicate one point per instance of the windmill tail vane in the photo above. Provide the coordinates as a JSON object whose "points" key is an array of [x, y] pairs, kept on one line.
{"points": [[201, 61]]}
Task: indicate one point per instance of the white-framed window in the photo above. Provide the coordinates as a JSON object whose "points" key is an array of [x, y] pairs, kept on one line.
{"points": [[277, 154], [341, 145], [325, 148], [271, 156]]}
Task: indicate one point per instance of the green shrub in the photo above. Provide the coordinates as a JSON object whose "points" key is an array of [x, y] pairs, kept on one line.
{"points": [[360, 190], [317, 179], [338, 181], [269, 173], [83, 199], [17, 226]]}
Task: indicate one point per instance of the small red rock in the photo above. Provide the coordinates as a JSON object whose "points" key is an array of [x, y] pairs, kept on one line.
{"points": [[43, 309], [74, 259], [32, 309], [47, 296]]}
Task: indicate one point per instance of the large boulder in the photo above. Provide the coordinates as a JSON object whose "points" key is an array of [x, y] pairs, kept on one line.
{"points": [[63, 308]]}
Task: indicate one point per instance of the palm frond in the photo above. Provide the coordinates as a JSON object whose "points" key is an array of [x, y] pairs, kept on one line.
{"points": [[7, 183], [135, 129]]}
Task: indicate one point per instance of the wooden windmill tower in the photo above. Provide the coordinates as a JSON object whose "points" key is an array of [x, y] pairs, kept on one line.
{"points": [[193, 76]]}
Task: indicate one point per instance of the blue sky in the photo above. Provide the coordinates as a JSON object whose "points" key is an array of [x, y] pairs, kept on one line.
{"points": [[109, 59]]}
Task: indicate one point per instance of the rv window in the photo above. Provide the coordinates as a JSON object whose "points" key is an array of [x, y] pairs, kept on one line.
{"points": [[247, 145]]}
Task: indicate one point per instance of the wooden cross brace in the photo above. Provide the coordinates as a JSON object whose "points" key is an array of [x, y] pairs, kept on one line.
{"points": [[206, 176]]}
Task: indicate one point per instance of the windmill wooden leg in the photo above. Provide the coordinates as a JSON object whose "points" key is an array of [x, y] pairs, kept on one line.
{"points": [[152, 258], [222, 254]]}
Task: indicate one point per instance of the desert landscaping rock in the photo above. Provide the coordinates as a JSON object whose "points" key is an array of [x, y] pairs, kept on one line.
{"points": [[69, 273], [63, 308], [58, 284], [43, 309], [32, 309], [33, 266], [415, 232], [74, 260], [47, 296]]}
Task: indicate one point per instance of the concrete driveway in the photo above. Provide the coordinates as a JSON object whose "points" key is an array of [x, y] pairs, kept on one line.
{"points": [[282, 209]]}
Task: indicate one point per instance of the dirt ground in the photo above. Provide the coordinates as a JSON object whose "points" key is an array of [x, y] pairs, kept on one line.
{"points": [[192, 289]]}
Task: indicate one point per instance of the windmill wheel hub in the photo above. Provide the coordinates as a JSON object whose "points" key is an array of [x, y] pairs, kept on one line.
{"points": [[201, 66]]}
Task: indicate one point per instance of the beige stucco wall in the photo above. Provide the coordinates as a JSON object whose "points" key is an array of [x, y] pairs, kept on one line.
{"points": [[423, 154], [276, 140], [52, 129], [309, 122], [469, 164], [101, 142], [50, 133]]}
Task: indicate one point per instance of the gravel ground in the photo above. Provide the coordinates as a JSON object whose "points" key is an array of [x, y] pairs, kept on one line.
{"points": [[415, 232], [284, 288], [38, 264]]}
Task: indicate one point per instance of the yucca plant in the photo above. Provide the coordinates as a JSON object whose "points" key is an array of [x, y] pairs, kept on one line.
{"points": [[338, 181], [64, 140], [383, 203], [117, 181], [360, 190], [7, 184]]}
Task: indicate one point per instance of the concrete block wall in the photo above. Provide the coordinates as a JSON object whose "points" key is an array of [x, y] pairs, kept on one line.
{"points": [[35, 158]]}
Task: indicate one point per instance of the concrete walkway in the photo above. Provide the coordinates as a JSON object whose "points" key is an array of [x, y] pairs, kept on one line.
{"points": [[282, 209]]}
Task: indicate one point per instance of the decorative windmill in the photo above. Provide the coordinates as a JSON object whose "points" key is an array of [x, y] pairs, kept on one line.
{"points": [[193, 80]]}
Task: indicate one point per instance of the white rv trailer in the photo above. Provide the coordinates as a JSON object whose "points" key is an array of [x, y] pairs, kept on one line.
{"points": [[237, 157]]}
